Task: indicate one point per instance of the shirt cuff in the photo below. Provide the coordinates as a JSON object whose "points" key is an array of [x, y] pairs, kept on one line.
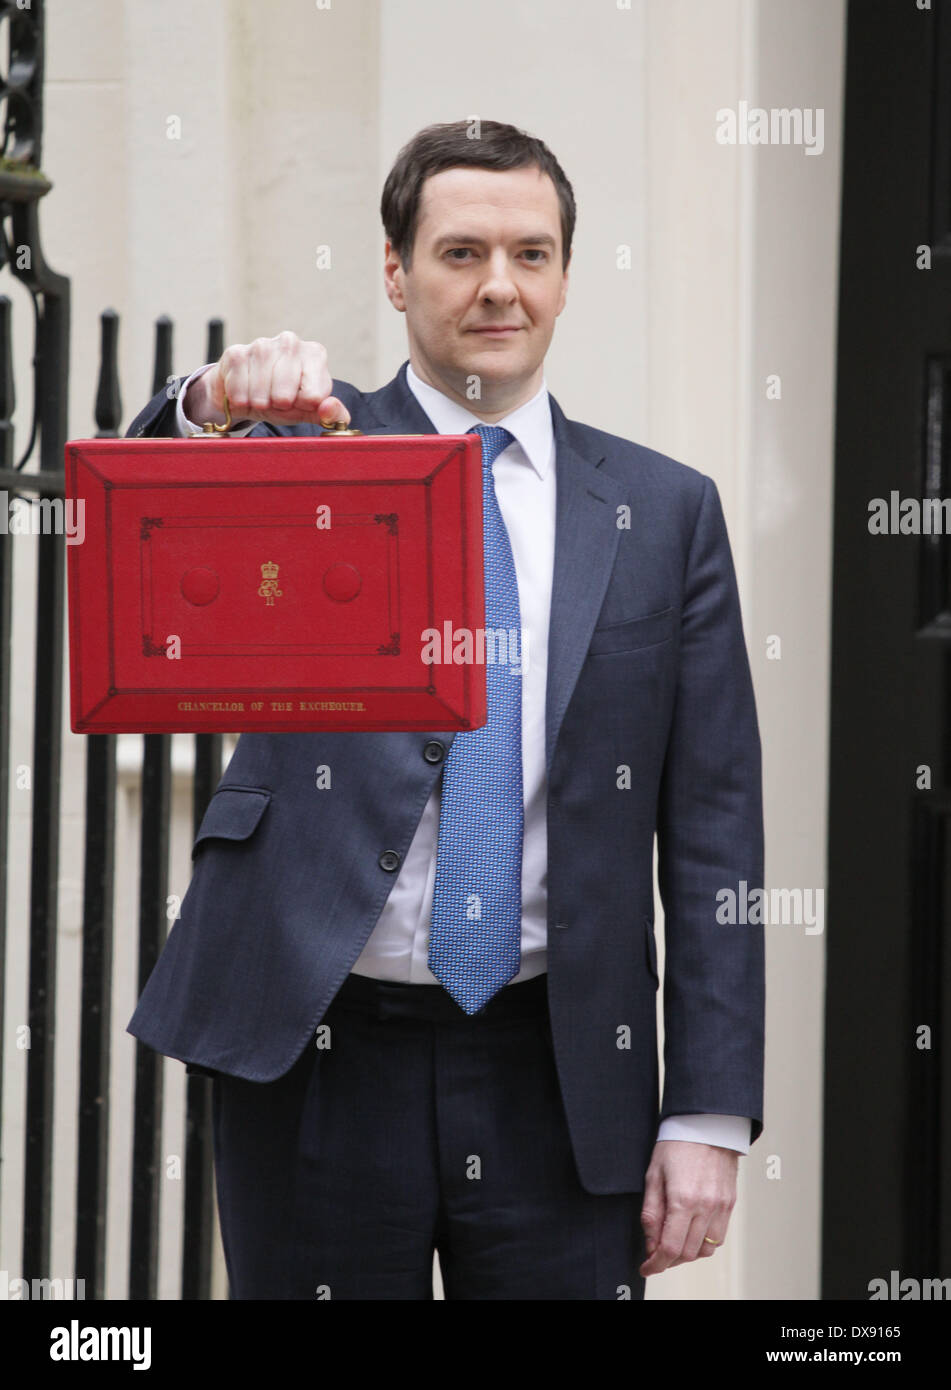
{"points": [[726, 1131], [185, 427]]}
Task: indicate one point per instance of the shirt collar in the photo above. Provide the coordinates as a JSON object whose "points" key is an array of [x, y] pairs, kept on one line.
{"points": [[530, 423]]}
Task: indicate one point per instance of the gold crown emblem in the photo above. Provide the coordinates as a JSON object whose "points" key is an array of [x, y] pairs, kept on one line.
{"points": [[269, 570]]}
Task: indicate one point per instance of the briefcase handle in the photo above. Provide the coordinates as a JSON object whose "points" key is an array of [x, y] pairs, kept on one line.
{"points": [[210, 428]]}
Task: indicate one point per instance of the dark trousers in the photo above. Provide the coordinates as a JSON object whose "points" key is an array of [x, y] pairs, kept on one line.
{"points": [[417, 1128]]}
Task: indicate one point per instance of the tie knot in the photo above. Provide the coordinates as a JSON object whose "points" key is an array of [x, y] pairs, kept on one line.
{"points": [[494, 440]]}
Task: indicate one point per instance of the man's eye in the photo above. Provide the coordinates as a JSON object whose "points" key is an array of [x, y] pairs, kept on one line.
{"points": [[457, 253]]}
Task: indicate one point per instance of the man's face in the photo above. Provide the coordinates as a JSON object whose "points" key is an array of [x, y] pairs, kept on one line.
{"points": [[487, 256]]}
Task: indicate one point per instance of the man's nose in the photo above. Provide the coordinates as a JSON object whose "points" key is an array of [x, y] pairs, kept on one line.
{"points": [[498, 283]]}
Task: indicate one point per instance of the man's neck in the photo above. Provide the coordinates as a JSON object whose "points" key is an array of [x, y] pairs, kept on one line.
{"points": [[498, 400]]}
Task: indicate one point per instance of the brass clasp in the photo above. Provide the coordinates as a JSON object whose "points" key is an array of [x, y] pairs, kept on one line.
{"points": [[338, 429], [209, 427]]}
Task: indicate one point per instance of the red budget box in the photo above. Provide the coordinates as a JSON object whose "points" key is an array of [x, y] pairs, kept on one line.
{"points": [[279, 584]]}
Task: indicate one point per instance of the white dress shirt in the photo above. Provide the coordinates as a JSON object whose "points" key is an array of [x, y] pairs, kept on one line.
{"points": [[525, 481]]}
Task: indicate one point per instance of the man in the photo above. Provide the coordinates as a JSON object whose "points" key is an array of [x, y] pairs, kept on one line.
{"points": [[490, 1085]]}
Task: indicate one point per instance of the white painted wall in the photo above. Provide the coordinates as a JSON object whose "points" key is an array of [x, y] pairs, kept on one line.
{"points": [[742, 269]]}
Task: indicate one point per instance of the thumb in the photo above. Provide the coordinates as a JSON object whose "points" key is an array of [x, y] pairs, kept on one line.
{"points": [[653, 1211], [332, 411]]}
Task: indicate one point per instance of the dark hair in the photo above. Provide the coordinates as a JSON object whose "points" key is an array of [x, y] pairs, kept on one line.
{"points": [[437, 147]]}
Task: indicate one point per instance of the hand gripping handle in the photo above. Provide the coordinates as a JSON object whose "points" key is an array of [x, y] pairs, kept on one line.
{"points": [[216, 431]]}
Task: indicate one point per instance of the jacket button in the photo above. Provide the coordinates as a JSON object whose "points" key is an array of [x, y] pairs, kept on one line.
{"points": [[389, 860], [434, 752]]}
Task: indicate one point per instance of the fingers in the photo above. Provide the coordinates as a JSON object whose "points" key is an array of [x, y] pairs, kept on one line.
{"points": [[332, 411], [315, 381], [703, 1231], [278, 380], [669, 1247], [653, 1211], [682, 1237], [713, 1237], [689, 1193], [284, 379]]}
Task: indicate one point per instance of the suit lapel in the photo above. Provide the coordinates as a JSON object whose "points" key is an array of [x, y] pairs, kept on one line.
{"points": [[586, 536], [586, 541], [397, 410]]}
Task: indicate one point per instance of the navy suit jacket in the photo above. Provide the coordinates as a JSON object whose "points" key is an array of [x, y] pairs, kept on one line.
{"points": [[647, 671]]}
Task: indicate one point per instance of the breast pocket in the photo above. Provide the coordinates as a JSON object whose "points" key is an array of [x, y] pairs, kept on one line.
{"points": [[630, 635], [233, 813]]}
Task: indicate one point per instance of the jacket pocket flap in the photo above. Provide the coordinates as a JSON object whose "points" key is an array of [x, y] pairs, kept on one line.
{"points": [[233, 814], [635, 632]]}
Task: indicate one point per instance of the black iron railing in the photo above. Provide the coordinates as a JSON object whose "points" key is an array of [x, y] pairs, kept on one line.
{"points": [[36, 475]]}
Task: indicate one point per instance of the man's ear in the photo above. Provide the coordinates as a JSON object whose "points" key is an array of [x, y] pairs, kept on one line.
{"points": [[564, 288], [393, 277]]}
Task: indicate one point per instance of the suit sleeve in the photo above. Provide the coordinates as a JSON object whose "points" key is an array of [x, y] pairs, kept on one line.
{"points": [[710, 839], [157, 419]]}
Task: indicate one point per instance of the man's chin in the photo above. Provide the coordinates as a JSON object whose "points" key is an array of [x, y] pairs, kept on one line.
{"points": [[495, 361]]}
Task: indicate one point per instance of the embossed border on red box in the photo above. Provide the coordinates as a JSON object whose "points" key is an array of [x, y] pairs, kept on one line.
{"points": [[417, 501]]}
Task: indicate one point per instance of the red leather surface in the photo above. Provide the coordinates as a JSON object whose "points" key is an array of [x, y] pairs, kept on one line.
{"points": [[274, 584]]}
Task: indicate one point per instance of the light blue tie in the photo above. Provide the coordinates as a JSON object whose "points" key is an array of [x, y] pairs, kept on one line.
{"points": [[476, 923]]}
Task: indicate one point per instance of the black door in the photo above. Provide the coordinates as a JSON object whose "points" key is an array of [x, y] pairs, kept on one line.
{"points": [[887, 1161]]}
